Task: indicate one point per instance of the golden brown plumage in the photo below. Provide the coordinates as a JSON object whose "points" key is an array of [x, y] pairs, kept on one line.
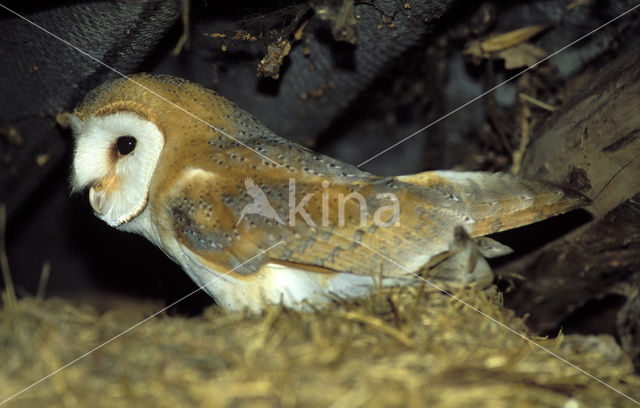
{"points": [[197, 190]]}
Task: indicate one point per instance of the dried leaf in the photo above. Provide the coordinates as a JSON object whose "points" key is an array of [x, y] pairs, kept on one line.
{"points": [[269, 66], [512, 38], [522, 55]]}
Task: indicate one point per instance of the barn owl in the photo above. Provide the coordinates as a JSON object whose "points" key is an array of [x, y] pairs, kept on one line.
{"points": [[213, 188]]}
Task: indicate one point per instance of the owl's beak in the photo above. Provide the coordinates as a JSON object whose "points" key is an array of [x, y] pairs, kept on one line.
{"points": [[97, 199]]}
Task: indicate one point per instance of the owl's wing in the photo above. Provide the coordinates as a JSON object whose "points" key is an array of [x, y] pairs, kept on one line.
{"points": [[497, 201], [329, 233]]}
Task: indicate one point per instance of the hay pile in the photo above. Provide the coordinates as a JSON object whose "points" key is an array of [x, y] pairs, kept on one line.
{"points": [[399, 348]]}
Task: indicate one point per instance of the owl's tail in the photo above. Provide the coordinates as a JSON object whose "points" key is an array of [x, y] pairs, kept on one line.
{"points": [[498, 201]]}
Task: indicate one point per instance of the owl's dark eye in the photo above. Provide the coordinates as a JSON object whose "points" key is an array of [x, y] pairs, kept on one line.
{"points": [[126, 144]]}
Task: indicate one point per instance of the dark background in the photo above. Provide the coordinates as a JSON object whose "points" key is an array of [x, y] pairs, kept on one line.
{"points": [[405, 69]]}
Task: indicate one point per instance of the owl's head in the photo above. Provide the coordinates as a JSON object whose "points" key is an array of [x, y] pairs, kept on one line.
{"points": [[123, 127], [118, 144], [115, 156]]}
